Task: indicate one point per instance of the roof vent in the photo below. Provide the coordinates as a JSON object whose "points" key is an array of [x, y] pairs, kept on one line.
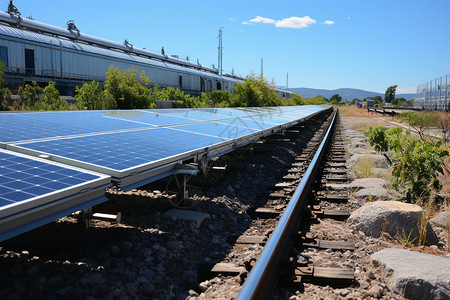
{"points": [[128, 45], [73, 28], [12, 10]]}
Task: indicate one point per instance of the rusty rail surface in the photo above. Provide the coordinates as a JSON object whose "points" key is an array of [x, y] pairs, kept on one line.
{"points": [[263, 278]]}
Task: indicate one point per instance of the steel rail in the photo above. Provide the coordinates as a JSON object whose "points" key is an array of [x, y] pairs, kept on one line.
{"points": [[263, 278]]}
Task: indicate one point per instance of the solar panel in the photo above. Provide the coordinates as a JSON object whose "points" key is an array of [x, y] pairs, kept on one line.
{"points": [[85, 150], [120, 154], [124, 143], [34, 191]]}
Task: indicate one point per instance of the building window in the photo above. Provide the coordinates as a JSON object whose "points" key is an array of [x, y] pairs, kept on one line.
{"points": [[29, 61], [4, 55], [180, 81]]}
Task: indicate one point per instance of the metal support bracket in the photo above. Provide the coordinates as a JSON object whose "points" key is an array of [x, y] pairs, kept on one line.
{"points": [[86, 216]]}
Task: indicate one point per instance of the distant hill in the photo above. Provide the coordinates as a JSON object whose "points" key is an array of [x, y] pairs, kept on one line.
{"points": [[346, 93]]}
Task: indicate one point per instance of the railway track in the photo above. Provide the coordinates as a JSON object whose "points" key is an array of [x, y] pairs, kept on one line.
{"points": [[282, 224], [168, 252]]}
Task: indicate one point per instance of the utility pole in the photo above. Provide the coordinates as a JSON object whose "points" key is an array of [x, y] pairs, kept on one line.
{"points": [[220, 51], [262, 67]]}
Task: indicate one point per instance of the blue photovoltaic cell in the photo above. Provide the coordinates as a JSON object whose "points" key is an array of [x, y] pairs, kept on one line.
{"points": [[227, 131], [23, 178], [38, 125], [126, 140], [252, 123], [153, 118], [124, 150]]}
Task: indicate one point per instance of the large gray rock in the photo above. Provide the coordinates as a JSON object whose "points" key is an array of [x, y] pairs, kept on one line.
{"points": [[442, 219], [362, 183], [374, 193], [396, 218], [368, 183], [414, 275]]}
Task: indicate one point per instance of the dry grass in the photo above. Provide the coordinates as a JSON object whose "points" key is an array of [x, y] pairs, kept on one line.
{"points": [[364, 167]]}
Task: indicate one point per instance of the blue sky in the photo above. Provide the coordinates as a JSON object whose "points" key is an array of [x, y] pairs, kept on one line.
{"points": [[325, 44]]}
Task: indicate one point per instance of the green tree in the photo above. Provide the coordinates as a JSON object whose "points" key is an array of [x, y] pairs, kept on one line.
{"points": [[254, 92], [29, 95], [51, 99], [91, 96], [335, 99], [389, 95], [5, 93], [298, 99], [317, 100], [378, 100], [127, 90], [218, 98]]}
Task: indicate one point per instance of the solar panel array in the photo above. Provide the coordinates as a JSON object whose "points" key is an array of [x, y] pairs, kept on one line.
{"points": [[35, 191], [133, 147]]}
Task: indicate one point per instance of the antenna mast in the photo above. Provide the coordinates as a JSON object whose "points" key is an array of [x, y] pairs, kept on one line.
{"points": [[220, 51], [262, 67]]}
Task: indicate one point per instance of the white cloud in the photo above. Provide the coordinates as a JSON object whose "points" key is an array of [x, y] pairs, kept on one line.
{"points": [[259, 19], [231, 19], [295, 22], [328, 22], [292, 22]]}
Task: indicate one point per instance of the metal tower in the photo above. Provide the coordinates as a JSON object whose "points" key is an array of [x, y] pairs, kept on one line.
{"points": [[262, 67], [287, 80], [220, 51]]}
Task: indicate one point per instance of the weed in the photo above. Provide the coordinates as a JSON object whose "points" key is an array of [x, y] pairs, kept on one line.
{"points": [[353, 192], [364, 167], [406, 240], [427, 212]]}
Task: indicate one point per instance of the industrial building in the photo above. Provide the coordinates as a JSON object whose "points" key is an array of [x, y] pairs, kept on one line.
{"points": [[34, 51]]}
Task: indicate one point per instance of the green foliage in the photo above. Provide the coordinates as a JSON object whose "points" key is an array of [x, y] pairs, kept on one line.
{"points": [[5, 93], [389, 95], [127, 90], [91, 96], [377, 138], [378, 100], [417, 162], [335, 99], [399, 101], [420, 122], [254, 91], [34, 97], [218, 98], [29, 95], [181, 99], [354, 101], [298, 99], [51, 99]]}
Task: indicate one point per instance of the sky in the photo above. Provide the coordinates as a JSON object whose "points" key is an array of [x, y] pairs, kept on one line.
{"points": [[326, 44]]}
